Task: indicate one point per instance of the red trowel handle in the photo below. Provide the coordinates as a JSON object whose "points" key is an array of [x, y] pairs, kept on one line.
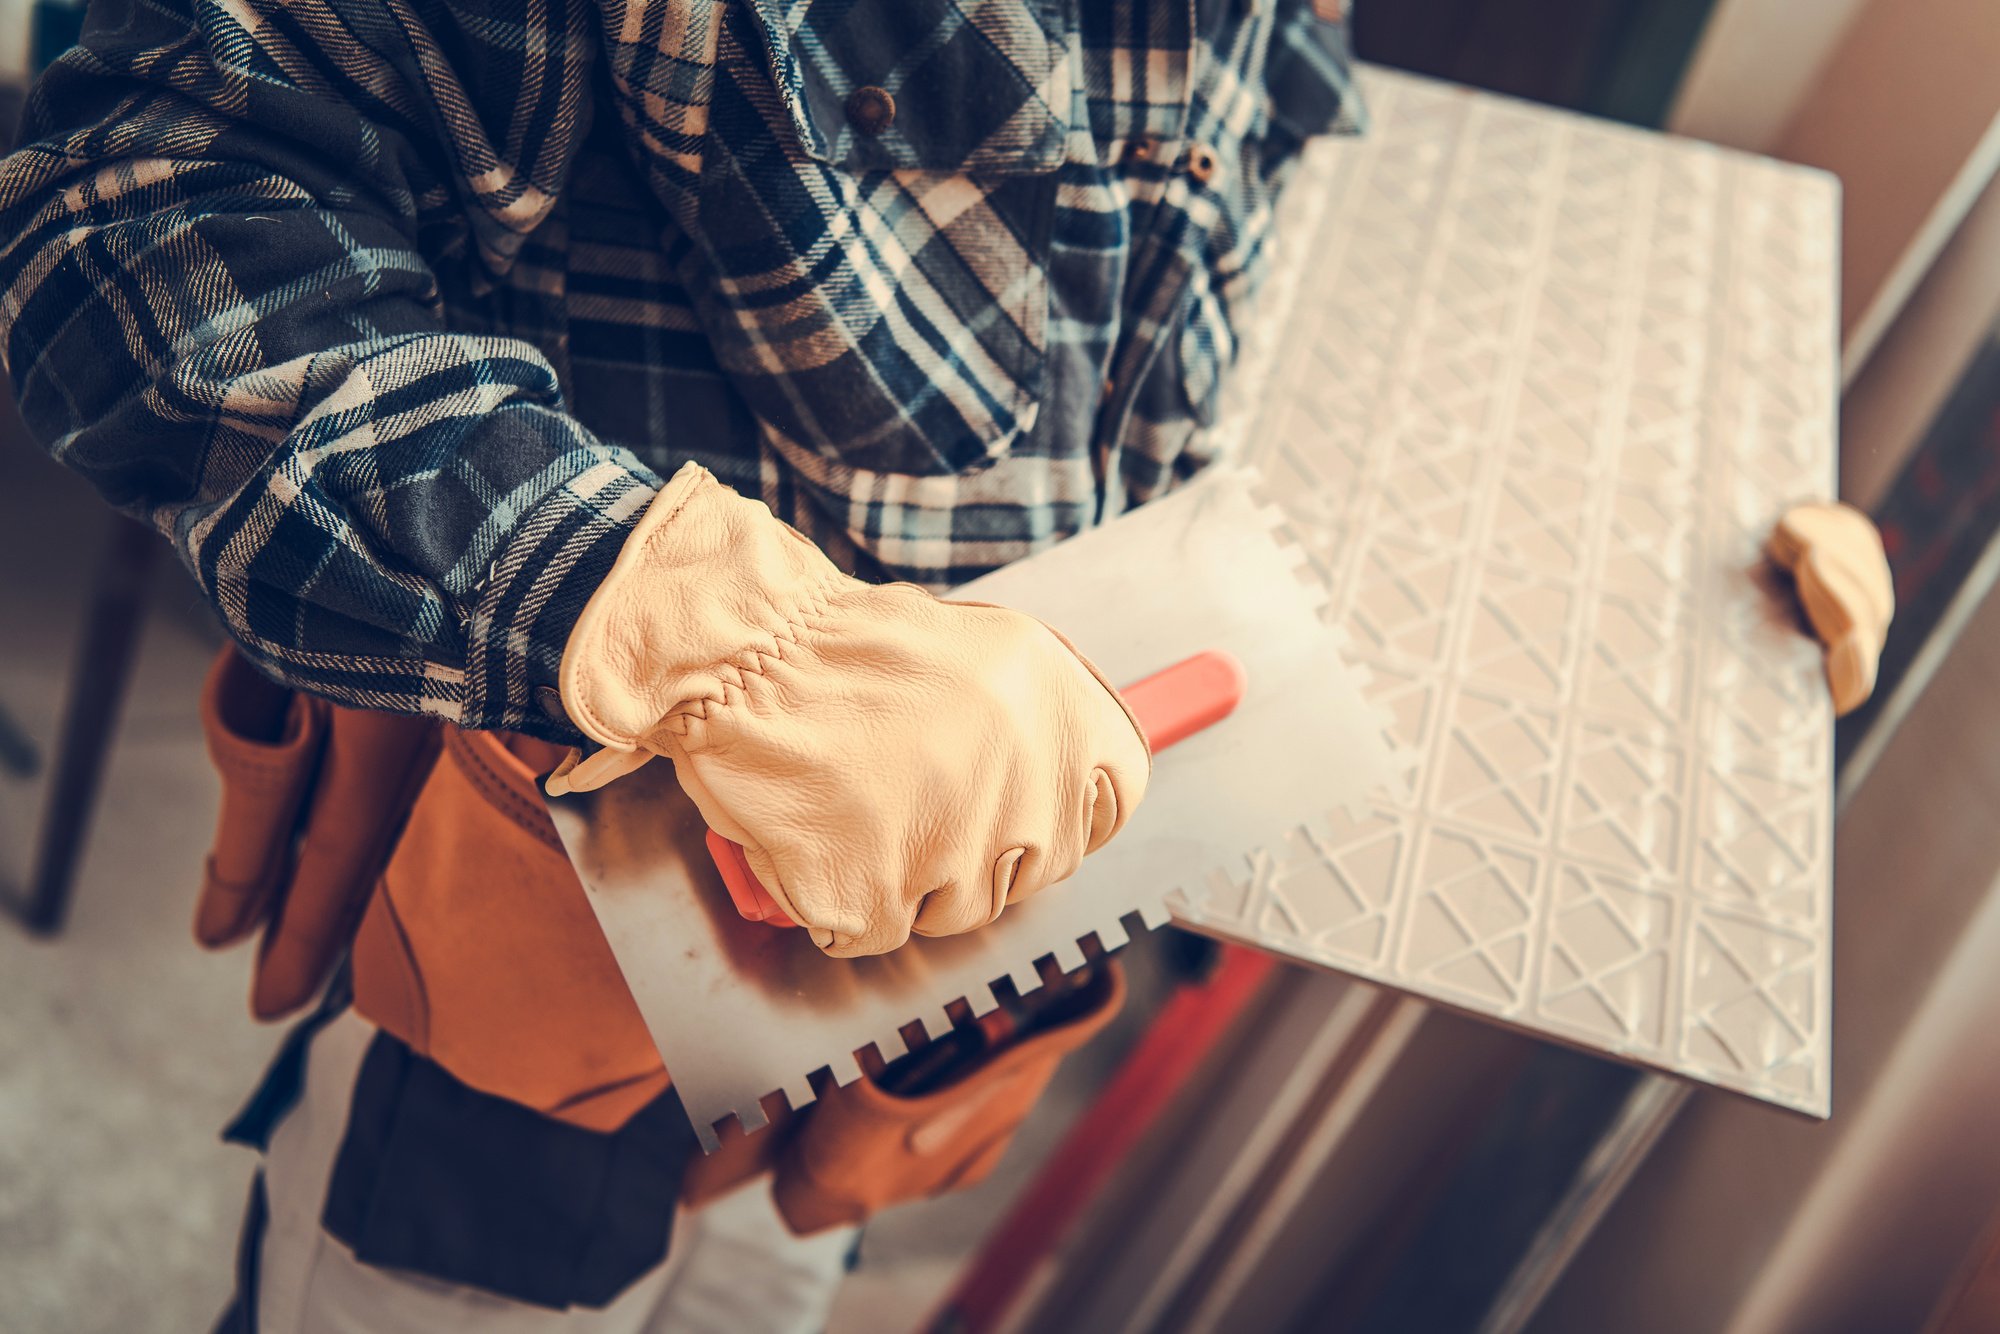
{"points": [[1171, 705]]}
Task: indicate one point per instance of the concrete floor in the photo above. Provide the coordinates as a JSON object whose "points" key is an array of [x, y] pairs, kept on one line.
{"points": [[124, 1048]]}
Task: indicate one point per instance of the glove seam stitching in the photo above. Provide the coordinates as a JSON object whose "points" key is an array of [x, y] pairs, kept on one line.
{"points": [[732, 671]]}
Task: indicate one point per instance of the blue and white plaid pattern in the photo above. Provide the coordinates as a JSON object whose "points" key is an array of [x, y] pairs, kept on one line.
{"points": [[392, 314]]}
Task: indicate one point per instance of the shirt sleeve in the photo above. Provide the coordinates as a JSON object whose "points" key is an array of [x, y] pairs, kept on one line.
{"points": [[215, 306]]}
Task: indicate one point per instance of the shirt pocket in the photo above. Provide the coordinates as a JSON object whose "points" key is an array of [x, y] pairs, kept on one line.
{"points": [[875, 213]]}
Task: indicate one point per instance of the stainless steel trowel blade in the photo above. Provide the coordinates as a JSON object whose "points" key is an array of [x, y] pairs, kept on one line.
{"points": [[742, 1010]]}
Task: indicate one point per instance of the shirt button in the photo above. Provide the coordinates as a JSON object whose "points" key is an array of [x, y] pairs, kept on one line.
{"points": [[871, 110], [1203, 163], [1142, 149]]}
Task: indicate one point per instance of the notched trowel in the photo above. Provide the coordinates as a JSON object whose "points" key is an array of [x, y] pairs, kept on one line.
{"points": [[741, 1011]]}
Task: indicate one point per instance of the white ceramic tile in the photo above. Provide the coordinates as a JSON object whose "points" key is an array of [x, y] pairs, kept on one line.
{"points": [[1535, 391]]}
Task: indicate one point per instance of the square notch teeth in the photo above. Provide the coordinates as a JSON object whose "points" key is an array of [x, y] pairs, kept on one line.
{"points": [[799, 1095], [1069, 956]]}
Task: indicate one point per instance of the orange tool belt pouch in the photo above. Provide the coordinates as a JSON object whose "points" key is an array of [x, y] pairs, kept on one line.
{"points": [[480, 950], [312, 798], [477, 948], [867, 1146], [265, 742]]}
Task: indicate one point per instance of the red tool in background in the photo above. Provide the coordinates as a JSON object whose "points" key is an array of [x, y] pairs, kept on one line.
{"points": [[1171, 705]]}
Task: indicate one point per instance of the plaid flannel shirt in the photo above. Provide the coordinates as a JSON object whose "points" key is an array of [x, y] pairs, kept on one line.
{"points": [[392, 314]]}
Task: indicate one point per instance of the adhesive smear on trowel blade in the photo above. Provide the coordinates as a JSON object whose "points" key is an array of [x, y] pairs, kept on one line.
{"points": [[741, 1010]]}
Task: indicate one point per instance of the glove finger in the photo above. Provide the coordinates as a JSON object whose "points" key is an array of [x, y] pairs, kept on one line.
{"points": [[1861, 579], [763, 861], [1037, 868], [844, 919], [1056, 859], [1832, 616], [971, 899], [879, 935], [1106, 811], [578, 773], [765, 867], [1838, 537], [1851, 665], [1121, 760], [1104, 698]]}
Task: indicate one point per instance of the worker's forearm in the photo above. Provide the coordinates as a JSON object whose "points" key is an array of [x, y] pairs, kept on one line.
{"points": [[407, 521], [230, 332]]}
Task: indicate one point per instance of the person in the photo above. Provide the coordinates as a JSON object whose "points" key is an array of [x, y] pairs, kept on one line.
{"points": [[484, 361], [608, 379]]}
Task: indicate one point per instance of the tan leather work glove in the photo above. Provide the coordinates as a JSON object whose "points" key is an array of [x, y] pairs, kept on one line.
{"points": [[1835, 554], [889, 761]]}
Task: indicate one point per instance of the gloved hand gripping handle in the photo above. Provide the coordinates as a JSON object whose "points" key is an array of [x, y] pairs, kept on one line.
{"points": [[1171, 705]]}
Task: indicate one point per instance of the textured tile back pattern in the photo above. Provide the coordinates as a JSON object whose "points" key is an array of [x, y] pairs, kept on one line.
{"points": [[1533, 391]]}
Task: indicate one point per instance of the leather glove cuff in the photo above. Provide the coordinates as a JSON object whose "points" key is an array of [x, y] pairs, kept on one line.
{"points": [[708, 583]]}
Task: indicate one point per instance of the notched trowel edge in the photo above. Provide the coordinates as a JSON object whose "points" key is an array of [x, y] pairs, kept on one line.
{"points": [[741, 1011]]}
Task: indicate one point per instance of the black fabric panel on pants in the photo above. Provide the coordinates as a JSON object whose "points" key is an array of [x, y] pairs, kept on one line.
{"points": [[439, 1179], [241, 1315]]}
